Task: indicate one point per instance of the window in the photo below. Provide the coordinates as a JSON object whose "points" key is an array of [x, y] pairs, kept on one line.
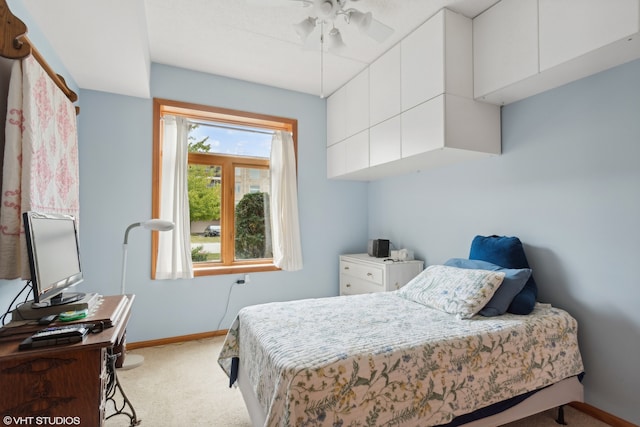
{"points": [[228, 182]]}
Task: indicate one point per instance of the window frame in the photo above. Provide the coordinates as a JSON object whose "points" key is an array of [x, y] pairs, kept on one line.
{"points": [[223, 115]]}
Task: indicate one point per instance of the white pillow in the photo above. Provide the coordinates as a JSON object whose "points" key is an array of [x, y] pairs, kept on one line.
{"points": [[458, 291]]}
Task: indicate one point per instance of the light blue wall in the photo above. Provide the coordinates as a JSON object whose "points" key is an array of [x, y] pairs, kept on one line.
{"points": [[115, 173], [567, 184]]}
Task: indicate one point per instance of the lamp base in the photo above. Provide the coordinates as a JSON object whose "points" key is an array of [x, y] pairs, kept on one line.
{"points": [[131, 361]]}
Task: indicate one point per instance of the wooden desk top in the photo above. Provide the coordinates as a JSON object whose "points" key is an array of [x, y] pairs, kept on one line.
{"points": [[113, 312]]}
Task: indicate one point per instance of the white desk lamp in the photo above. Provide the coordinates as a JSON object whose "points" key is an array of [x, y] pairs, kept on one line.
{"points": [[134, 360]]}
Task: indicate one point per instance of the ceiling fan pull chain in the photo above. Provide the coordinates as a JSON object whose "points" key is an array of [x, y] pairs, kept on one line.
{"points": [[322, 59]]}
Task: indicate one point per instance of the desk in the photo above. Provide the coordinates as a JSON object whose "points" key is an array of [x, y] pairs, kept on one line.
{"points": [[66, 384]]}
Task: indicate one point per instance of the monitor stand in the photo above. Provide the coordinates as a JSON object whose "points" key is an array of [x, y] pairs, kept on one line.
{"points": [[30, 311]]}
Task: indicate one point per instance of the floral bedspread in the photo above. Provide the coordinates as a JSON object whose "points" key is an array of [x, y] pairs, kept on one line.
{"points": [[382, 360]]}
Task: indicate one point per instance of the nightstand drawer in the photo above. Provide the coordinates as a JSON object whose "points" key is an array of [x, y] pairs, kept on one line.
{"points": [[351, 285], [363, 272]]}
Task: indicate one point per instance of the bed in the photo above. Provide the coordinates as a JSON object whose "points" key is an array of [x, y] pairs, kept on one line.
{"points": [[394, 359]]}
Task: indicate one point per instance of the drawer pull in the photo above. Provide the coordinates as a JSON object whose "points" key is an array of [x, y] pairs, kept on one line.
{"points": [[369, 274], [346, 267], [348, 285]]}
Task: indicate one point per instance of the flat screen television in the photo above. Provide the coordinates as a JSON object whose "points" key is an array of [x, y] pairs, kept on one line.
{"points": [[54, 257]]}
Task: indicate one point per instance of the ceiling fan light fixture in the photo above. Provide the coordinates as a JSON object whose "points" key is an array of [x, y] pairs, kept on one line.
{"points": [[361, 19], [305, 27], [327, 9], [334, 40]]}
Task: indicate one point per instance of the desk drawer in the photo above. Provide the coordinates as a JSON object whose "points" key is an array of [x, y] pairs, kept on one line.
{"points": [[369, 273]]}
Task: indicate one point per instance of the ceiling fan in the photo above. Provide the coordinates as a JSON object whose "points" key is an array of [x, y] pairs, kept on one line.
{"points": [[325, 12]]}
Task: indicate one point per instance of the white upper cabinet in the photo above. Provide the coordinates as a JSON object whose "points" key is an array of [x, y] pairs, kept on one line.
{"points": [[452, 127], [436, 58], [336, 116], [357, 103], [357, 151], [336, 160], [524, 47], [348, 109], [349, 155], [423, 127], [384, 86], [421, 108], [385, 142], [505, 45], [571, 28]]}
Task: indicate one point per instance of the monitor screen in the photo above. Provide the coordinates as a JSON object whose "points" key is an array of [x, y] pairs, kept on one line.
{"points": [[54, 256]]}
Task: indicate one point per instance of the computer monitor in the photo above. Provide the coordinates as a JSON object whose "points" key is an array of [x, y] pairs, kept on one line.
{"points": [[54, 257]]}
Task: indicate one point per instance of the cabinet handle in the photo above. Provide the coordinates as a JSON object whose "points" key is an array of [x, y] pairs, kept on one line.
{"points": [[348, 285], [369, 274], [346, 267]]}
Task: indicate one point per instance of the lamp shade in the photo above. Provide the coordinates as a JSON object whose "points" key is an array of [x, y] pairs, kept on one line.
{"points": [[151, 224], [305, 27], [334, 40], [158, 224]]}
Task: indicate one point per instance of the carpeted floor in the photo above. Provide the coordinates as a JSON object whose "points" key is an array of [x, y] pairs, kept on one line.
{"points": [[182, 385]]}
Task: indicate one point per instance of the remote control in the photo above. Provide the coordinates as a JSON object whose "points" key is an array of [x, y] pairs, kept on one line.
{"points": [[47, 319], [56, 336], [61, 332]]}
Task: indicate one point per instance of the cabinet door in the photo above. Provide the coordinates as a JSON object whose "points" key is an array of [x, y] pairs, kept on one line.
{"points": [[336, 160], [384, 142], [505, 45], [423, 127], [422, 60], [336, 116], [357, 103], [349, 155], [384, 86], [570, 28], [357, 152], [437, 58]]}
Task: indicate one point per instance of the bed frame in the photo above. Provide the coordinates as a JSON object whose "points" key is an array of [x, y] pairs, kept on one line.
{"points": [[556, 395]]}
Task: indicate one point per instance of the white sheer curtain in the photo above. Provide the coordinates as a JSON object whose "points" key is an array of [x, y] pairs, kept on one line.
{"points": [[285, 227], [174, 249]]}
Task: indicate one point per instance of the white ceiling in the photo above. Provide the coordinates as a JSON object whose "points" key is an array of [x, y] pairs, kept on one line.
{"points": [[109, 45]]}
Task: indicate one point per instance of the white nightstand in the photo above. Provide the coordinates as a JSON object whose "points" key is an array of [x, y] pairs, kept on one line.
{"points": [[362, 274]]}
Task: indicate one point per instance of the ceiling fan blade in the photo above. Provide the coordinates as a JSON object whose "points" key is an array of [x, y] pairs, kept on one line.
{"points": [[379, 31]]}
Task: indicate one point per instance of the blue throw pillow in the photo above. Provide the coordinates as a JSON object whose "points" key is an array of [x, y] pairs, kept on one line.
{"points": [[507, 252], [513, 282]]}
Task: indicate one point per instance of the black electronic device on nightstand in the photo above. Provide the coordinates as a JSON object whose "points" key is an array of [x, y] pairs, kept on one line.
{"points": [[378, 248]]}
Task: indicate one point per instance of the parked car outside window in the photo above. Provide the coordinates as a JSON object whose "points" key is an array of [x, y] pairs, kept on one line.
{"points": [[212, 231]]}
